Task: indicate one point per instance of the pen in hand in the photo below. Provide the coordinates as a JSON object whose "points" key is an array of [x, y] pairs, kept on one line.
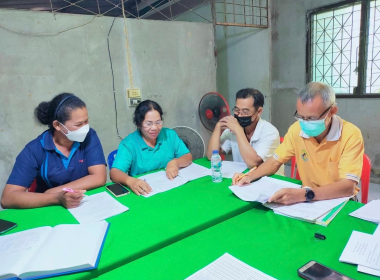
{"points": [[69, 190], [242, 176]]}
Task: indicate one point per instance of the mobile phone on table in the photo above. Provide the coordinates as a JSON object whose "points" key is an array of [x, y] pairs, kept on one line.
{"points": [[6, 225], [316, 271], [117, 190]]}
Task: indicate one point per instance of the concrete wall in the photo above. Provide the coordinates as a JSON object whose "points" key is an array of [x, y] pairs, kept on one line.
{"points": [[289, 75], [173, 63], [243, 58]]}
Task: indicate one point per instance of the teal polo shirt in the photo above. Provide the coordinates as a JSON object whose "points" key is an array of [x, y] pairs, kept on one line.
{"points": [[135, 157]]}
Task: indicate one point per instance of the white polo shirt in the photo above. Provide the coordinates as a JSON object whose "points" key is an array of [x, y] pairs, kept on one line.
{"points": [[264, 141]]}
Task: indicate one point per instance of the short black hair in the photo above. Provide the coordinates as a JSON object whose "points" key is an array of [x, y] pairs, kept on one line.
{"points": [[143, 108], [258, 97], [59, 108]]}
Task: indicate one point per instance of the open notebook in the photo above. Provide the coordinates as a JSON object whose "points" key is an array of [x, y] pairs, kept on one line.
{"points": [[45, 251]]}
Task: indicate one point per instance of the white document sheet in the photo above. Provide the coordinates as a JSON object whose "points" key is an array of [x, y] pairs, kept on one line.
{"points": [[261, 190], [368, 270], [97, 207], [310, 211], [362, 249], [160, 183], [229, 168], [228, 267], [369, 212], [377, 231], [194, 171]]}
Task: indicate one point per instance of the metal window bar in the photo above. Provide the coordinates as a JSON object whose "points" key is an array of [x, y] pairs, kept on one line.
{"points": [[335, 35], [138, 9], [244, 13], [373, 56], [344, 47]]}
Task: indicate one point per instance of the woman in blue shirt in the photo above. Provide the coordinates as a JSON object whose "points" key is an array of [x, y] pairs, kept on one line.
{"points": [[149, 148], [67, 155]]}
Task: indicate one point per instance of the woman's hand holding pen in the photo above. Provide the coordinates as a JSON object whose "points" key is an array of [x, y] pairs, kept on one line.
{"points": [[69, 198]]}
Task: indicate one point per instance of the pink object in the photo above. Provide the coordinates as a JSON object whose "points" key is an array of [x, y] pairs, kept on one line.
{"points": [[33, 186], [366, 174], [293, 169], [68, 190]]}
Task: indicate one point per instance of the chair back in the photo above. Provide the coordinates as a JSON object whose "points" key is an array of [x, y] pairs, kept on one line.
{"points": [[365, 178], [111, 158]]}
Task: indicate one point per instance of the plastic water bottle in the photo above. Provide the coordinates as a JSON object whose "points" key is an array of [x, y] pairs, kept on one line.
{"points": [[216, 167]]}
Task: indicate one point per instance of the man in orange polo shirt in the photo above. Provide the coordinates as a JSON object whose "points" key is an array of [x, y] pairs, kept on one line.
{"points": [[328, 150]]}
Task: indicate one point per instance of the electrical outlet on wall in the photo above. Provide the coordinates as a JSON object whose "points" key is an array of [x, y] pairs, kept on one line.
{"points": [[134, 97]]}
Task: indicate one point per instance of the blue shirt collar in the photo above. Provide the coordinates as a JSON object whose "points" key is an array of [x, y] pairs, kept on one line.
{"points": [[47, 140], [48, 143]]}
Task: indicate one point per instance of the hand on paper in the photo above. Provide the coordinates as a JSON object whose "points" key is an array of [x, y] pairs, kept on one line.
{"points": [[245, 180], [172, 169], [140, 187], [70, 200], [288, 196]]}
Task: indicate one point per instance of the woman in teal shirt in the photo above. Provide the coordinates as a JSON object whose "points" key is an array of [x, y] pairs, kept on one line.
{"points": [[149, 148]]}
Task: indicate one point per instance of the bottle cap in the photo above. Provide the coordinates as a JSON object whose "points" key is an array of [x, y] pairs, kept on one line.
{"points": [[215, 152]]}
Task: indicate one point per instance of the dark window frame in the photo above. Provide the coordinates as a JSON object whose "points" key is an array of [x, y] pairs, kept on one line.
{"points": [[359, 91]]}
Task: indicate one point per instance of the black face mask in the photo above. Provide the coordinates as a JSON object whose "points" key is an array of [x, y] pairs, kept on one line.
{"points": [[244, 121]]}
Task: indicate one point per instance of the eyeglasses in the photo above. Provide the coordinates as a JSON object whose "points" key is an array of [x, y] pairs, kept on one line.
{"points": [[150, 124], [244, 112], [300, 118]]}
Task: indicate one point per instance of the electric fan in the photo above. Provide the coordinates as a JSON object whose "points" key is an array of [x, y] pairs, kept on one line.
{"points": [[192, 139], [212, 108]]}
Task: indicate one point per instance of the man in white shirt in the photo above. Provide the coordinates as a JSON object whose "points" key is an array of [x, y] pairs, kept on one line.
{"points": [[251, 139]]}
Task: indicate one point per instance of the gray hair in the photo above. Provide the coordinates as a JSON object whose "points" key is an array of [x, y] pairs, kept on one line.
{"points": [[314, 89]]}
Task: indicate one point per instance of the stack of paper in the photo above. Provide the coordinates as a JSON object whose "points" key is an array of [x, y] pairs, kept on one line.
{"points": [[363, 249], [97, 207], [319, 212], [159, 182], [369, 212], [326, 219], [194, 171], [309, 211], [229, 168], [228, 267], [262, 189]]}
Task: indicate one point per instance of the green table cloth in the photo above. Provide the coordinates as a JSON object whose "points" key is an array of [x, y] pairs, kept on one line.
{"points": [[272, 243], [150, 224]]}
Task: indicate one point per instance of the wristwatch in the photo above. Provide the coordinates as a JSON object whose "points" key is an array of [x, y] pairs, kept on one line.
{"points": [[309, 194]]}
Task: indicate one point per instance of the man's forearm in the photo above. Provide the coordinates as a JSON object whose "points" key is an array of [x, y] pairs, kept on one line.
{"points": [[341, 188], [214, 143], [247, 152], [268, 168]]}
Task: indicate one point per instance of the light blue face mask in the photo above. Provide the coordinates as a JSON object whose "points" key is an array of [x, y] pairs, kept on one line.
{"points": [[315, 127], [312, 128]]}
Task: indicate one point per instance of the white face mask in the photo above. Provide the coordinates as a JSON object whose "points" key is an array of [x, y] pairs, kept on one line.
{"points": [[77, 135]]}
